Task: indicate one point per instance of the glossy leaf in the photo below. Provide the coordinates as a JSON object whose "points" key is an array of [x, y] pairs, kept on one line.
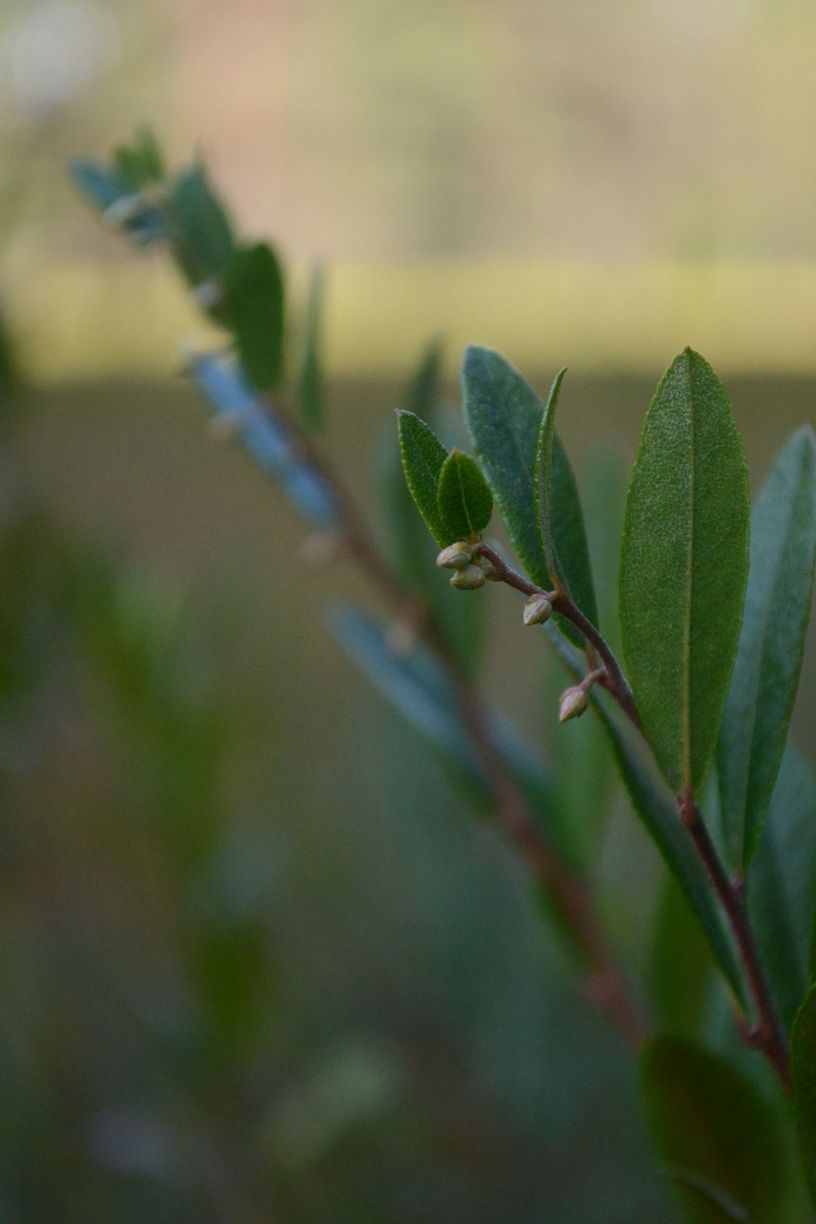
{"points": [[201, 234], [560, 514], [422, 458], [766, 673], [723, 1144], [782, 884], [803, 1068], [657, 810], [503, 414], [267, 439], [684, 566], [310, 379], [255, 295], [462, 496]]}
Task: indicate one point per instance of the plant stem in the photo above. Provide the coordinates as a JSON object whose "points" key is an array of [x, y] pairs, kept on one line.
{"points": [[613, 678], [766, 1035], [606, 986]]}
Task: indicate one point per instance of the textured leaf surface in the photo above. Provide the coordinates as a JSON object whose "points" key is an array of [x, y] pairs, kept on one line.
{"points": [[724, 1146], [803, 1066], [310, 380], [684, 566], [560, 514], [782, 884], [657, 810], [503, 414], [422, 458], [463, 497], [255, 294], [766, 673]]}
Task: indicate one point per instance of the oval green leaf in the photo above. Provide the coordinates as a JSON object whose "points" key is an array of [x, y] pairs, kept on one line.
{"points": [[803, 1067], [422, 458], [724, 1145], [255, 294], [769, 659], [684, 566], [560, 514], [462, 496], [200, 232], [503, 414]]}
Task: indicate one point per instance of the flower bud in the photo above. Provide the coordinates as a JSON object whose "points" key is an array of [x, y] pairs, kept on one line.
{"points": [[468, 579], [456, 556], [573, 703], [537, 610]]}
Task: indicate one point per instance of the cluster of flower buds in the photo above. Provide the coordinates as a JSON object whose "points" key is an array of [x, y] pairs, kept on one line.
{"points": [[470, 570]]}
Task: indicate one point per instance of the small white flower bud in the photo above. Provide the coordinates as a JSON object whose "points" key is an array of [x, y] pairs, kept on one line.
{"points": [[537, 610], [574, 702], [456, 556], [469, 579]]}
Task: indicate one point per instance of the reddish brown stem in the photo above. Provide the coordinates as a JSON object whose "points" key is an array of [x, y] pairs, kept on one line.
{"points": [[766, 1035]]}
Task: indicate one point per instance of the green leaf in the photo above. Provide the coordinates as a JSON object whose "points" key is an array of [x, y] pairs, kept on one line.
{"points": [[560, 513], [681, 971], [657, 810], [803, 1069], [604, 503], [766, 673], [310, 380], [405, 538], [201, 234], [423, 393], [561, 518], [782, 884], [422, 458], [724, 1145], [503, 414], [683, 567], [462, 496], [255, 294]]}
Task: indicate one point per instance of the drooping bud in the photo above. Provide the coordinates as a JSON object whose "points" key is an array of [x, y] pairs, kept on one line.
{"points": [[574, 702], [537, 610], [468, 579], [456, 556]]}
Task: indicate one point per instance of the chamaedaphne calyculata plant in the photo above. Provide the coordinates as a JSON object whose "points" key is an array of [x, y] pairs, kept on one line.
{"points": [[691, 673]]}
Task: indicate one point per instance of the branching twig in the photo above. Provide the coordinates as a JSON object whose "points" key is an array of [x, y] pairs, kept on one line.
{"points": [[606, 987], [766, 1035]]}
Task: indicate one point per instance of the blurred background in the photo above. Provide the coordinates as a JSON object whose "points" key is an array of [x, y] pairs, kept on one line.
{"points": [[260, 961]]}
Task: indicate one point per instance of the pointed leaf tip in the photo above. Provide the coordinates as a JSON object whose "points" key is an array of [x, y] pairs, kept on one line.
{"points": [[684, 566]]}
